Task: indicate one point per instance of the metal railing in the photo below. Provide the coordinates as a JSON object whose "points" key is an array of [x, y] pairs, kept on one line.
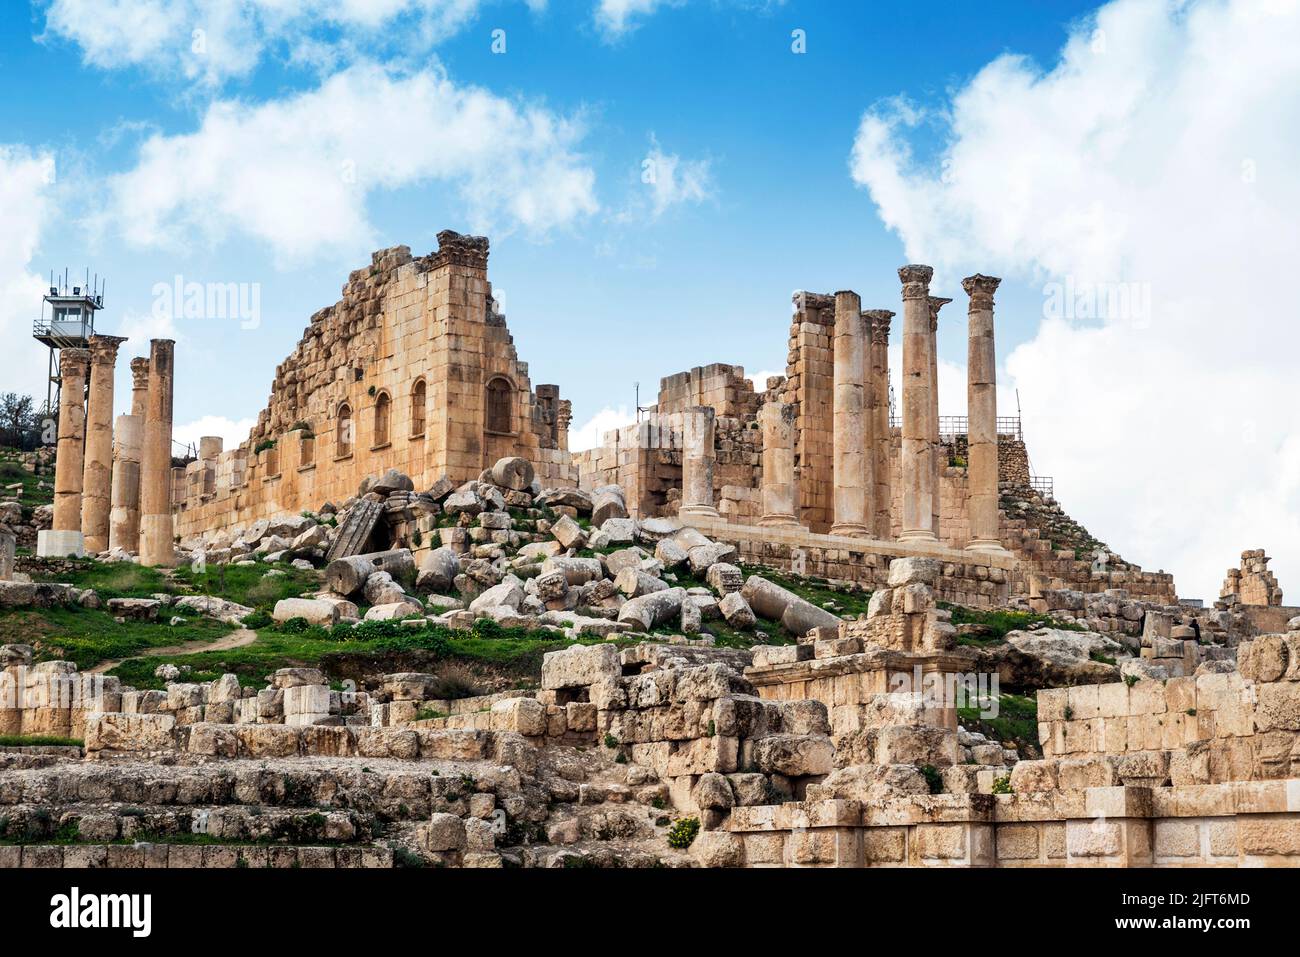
{"points": [[954, 425], [1043, 485]]}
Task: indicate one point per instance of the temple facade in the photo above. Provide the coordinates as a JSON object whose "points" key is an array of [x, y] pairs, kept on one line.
{"points": [[413, 368]]}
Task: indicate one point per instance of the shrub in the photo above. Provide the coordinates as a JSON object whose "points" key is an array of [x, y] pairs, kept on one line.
{"points": [[610, 740], [933, 778], [258, 619], [683, 833], [1002, 785], [454, 681]]}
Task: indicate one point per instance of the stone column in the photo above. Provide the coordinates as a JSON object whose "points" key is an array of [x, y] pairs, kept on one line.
{"points": [[917, 459], [64, 535], [124, 516], [139, 386], [97, 479], [8, 551], [777, 420], [851, 466], [936, 303], [128, 437], [879, 410], [982, 412], [697, 461], [156, 534]]}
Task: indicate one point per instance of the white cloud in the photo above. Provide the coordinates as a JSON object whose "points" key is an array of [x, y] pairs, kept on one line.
{"points": [[26, 207], [232, 431], [296, 173], [1156, 152], [588, 436], [760, 378], [672, 181], [618, 17], [211, 41], [141, 327]]}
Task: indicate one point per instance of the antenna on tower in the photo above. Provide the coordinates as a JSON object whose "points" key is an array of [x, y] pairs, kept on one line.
{"points": [[69, 325]]}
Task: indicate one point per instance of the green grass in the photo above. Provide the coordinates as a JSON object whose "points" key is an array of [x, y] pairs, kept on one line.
{"points": [[31, 495], [37, 741], [87, 637], [725, 636], [112, 579], [999, 623], [1016, 723], [246, 584], [277, 648], [818, 591]]}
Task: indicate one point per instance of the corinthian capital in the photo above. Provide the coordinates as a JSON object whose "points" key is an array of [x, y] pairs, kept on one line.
{"points": [[936, 303], [981, 288], [74, 362], [878, 322], [140, 372], [103, 349], [916, 281]]}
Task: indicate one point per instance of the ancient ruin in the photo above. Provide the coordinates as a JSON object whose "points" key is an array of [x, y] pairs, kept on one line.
{"points": [[786, 627]]}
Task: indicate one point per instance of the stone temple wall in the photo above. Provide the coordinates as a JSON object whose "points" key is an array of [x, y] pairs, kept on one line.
{"points": [[412, 369]]}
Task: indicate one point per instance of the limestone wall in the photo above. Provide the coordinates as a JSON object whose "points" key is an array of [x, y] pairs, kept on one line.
{"points": [[1252, 583], [1229, 825], [978, 580], [412, 369], [1206, 728], [722, 387]]}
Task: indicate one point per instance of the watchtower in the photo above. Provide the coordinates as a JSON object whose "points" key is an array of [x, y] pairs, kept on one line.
{"points": [[67, 323]]}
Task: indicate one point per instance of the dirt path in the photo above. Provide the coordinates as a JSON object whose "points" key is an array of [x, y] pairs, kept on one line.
{"points": [[236, 639]]}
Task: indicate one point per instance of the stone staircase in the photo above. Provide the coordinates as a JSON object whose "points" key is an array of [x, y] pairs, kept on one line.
{"points": [[1058, 548]]}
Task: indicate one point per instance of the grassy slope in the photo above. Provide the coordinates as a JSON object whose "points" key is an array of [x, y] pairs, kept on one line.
{"points": [[90, 636]]}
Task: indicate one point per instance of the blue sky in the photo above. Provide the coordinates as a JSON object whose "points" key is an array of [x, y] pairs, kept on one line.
{"points": [[1144, 145], [600, 301]]}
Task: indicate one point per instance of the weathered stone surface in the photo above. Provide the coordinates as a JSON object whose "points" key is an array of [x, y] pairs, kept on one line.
{"points": [[654, 609], [580, 666], [513, 472], [569, 533], [314, 611], [130, 732], [736, 611], [794, 755], [773, 602], [438, 569], [870, 783]]}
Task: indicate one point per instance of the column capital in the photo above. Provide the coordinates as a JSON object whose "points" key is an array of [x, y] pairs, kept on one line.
{"points": [[936, 303], [878, 320], [915, 280], [74, 361], [103, 349], [980, 288], [140, 372], [805, 301]]}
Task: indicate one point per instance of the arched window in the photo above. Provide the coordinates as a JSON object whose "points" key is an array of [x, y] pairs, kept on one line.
{"points": [[343, 431], [417, 408], [500, 405], [382, 405]]}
